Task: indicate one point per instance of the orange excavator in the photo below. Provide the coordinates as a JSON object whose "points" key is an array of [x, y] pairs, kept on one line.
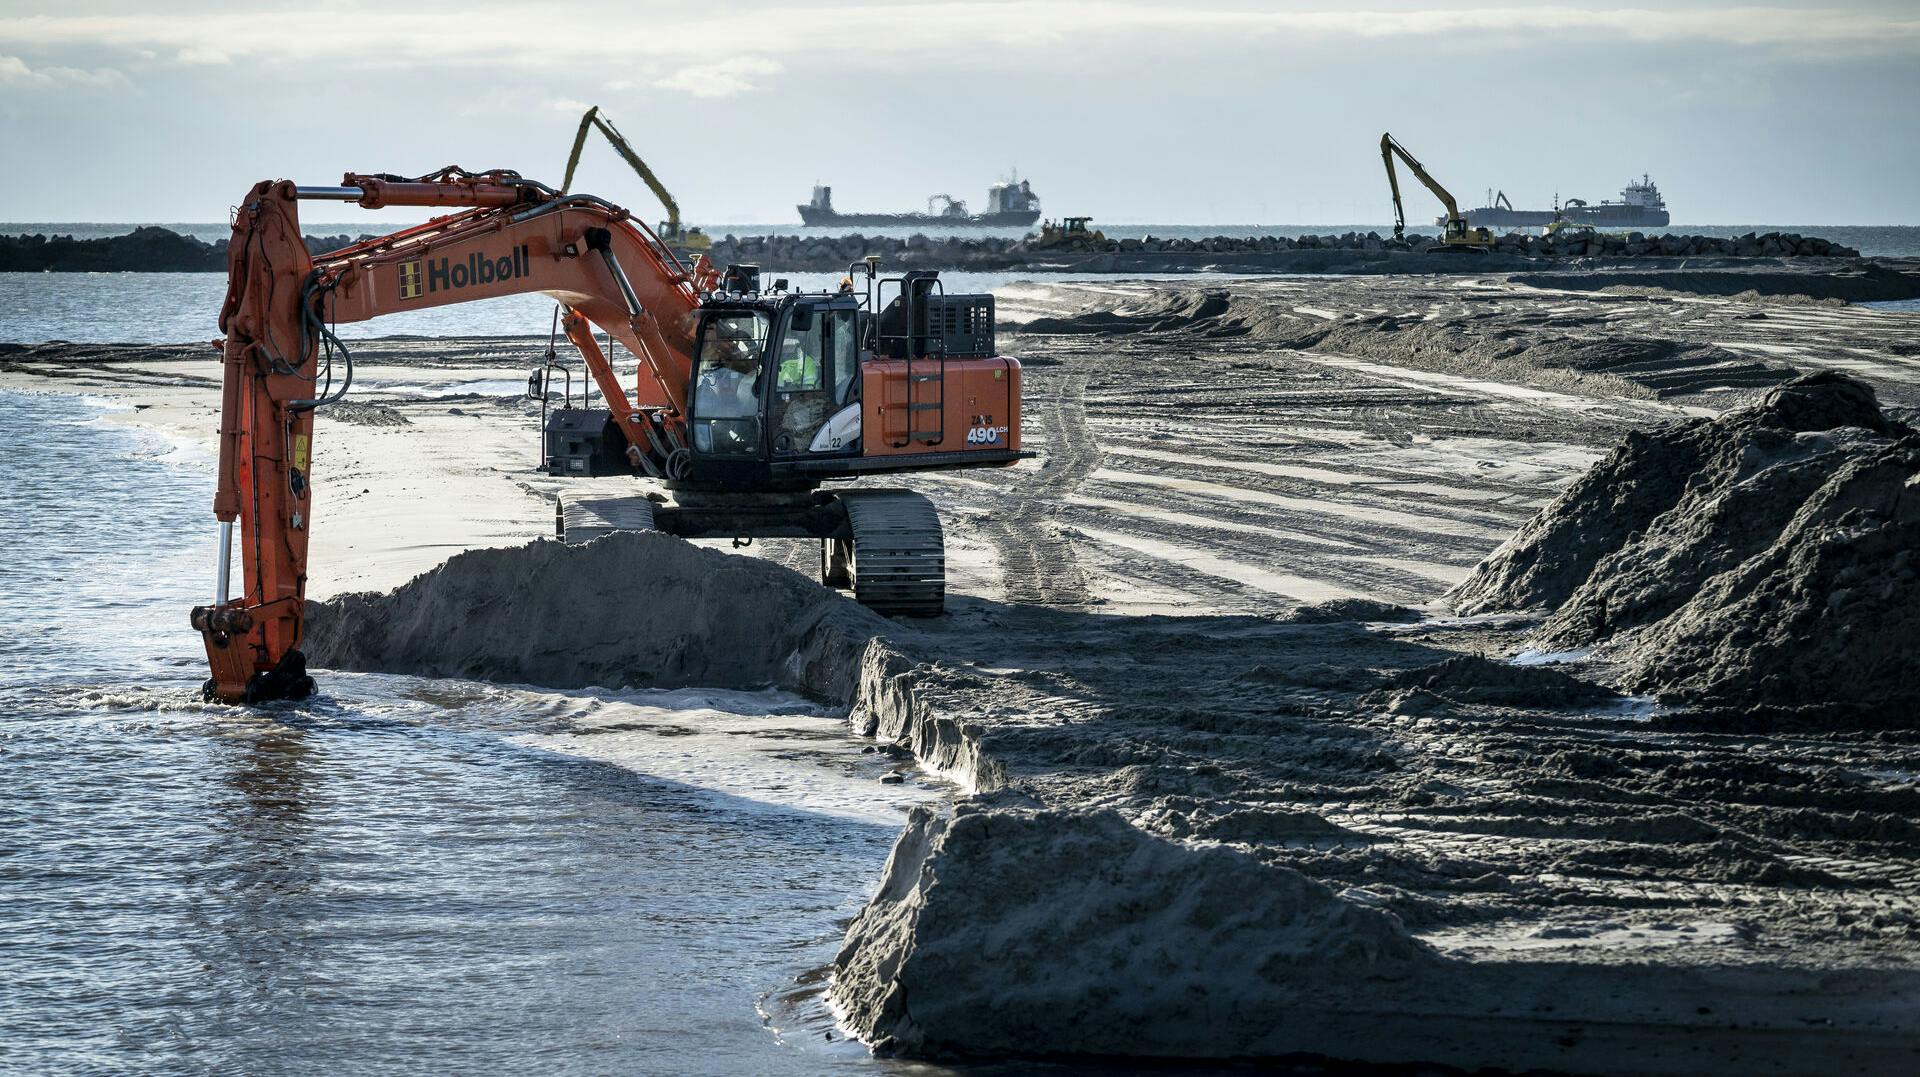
{"points": [[745, 401]]}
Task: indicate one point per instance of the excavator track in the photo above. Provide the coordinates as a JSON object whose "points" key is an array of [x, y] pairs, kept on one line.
{"points": [[894, 562], [578, 520], [899, 556]]}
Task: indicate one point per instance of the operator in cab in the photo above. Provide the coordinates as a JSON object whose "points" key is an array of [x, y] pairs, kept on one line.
{"points": [[799, 362], [726, 395], [729, 390]]}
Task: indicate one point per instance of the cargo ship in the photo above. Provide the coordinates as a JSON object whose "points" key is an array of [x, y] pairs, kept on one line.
{"points": [[1640, 206], [1009, 204]]}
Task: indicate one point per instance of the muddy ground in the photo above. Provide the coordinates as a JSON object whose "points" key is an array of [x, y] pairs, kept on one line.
{"points": [[1213, 608]]}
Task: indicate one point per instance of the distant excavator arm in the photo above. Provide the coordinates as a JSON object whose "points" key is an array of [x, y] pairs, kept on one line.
{"points": [[514, 236], [1388, 148], [621, 146]]}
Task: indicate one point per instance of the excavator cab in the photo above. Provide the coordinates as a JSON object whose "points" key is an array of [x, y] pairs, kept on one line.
{"points": [[1457, 236], [776, 380], [725, 409]]}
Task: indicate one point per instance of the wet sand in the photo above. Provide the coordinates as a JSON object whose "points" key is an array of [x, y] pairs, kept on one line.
{"points": [[1583, 882]]}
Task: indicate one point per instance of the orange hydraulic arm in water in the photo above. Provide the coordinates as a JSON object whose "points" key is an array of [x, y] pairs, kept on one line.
{"points": [[280, 356]]}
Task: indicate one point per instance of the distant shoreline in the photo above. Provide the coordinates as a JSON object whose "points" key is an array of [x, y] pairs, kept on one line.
{"points": [[159, 249]]}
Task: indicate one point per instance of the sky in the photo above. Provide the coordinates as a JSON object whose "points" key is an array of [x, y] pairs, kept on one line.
{"points": [[1213, 112]]}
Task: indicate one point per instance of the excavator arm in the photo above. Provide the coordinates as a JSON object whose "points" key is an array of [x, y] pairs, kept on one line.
{"points": [[592, 119], [1389, 147], [282, 360]]}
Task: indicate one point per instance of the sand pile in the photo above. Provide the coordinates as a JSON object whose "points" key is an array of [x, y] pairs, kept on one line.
{"points": [[1648, 366], [1472, 681], [1125, 944], [1164, 310], [1568, 353], [1130, 944], [1338, 610], [1854, 283], [1762, 557], [631, 609]]}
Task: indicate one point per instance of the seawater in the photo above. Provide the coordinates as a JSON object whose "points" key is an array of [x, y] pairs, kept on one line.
{"points": [[403, 874], [172, 308]]}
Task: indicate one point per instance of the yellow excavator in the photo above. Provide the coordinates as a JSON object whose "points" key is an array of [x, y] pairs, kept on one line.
{"points": [[1457, 236], [670, 230]]}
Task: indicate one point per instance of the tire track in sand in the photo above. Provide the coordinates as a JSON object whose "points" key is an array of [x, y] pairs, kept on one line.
{"points": [[1038, 565]]}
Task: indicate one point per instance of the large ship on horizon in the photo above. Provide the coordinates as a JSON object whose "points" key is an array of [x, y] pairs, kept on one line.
{"points": [[1009, 204], [1640, 206]]}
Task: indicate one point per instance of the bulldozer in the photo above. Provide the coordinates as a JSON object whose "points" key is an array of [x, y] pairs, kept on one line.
{"points": [[1562, 223], [1455, 237], [745, 402], [1071, 234]]}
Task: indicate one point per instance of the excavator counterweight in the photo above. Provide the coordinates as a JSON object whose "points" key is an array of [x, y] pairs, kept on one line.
{"points": [[744, 403]]}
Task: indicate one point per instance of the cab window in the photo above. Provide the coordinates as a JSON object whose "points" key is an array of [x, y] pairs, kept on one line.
{"points": [[726, 382], [802, 350], [840, 343], [726, 387]]}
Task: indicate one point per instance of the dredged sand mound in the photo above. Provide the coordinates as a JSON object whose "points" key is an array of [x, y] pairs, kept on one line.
{"points": [[1005, 930], [1577, 353], [630, 609], [1765, 557], [1015, 930]]}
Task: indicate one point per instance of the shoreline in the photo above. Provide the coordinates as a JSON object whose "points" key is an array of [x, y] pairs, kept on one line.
{"points": [[155, 248], [1059, 681]]}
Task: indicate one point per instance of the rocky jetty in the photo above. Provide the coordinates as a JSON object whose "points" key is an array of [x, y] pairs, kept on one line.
{"points": [[827, 253], [143, 250], [154, 249]]}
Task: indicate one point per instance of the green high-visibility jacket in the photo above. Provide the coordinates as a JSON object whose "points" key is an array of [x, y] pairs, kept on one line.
{"points": [[801, 371]]}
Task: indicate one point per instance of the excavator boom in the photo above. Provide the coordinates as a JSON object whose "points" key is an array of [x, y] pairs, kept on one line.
{"points": [[592, 119], [1457, 234], [282, 359]]}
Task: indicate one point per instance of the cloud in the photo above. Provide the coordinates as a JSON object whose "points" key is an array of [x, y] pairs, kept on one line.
{"points": [[201, 56], [685, 40], [14, 72], [727, 78]]}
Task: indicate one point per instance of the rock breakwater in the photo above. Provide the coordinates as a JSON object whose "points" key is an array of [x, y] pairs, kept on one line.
{"points": [[155, 249], [144, 250], [827, 253]]}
